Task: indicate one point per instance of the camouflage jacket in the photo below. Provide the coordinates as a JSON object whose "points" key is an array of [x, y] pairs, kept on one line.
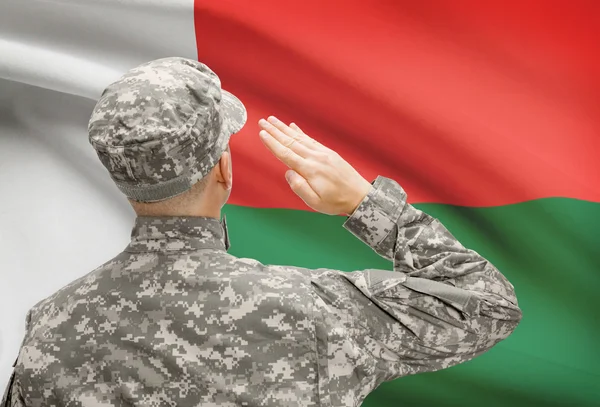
{"points": [[174, 320]]}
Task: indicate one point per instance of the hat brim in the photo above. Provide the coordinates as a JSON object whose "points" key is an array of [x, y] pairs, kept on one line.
{"points": [[233, 111]]}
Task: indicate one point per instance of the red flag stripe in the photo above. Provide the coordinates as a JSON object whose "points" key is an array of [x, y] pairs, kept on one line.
{"points": [[466, 103]]}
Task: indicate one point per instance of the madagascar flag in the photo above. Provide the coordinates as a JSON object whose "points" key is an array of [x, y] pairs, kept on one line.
{"points": [[487, 113]]}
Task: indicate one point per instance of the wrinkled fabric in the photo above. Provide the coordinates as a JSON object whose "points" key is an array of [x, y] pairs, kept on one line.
{"points": [[174, 320], [163, 126], [12, 394]]}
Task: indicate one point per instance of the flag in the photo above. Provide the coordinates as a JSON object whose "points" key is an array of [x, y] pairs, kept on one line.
{"points": [[487, 113]]}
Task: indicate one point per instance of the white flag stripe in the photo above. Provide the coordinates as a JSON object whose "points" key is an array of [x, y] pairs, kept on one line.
{"points": [[60, 215]]}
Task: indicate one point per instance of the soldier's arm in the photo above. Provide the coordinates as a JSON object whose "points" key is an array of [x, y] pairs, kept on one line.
{"points": [[442, 305], [12, 396]]}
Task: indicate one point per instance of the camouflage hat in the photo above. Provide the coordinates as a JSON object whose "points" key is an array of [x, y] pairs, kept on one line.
{"points": [[163, 126]]}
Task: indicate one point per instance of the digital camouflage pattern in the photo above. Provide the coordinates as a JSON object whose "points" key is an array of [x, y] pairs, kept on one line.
{"points": [[163, 126], [175, 320]]}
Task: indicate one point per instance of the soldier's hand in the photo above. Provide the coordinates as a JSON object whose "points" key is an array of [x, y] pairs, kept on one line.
{"points": [[317, 174]]}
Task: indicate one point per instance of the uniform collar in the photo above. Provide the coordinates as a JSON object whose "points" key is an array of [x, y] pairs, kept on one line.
{"points": [[170, 233]]}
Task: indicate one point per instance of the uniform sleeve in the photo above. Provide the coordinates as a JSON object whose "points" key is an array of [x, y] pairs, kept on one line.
{"points": [[443, 304], [12, 396]]}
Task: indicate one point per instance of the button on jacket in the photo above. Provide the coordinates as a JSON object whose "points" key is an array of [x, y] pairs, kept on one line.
{"points": [[174, 320]]}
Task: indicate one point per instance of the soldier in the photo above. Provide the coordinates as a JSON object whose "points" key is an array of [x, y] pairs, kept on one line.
{"points": [[174, 320]]}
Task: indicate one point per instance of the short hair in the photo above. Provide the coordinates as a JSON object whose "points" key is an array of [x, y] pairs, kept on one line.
{"points": [[172, 205], [177, 204]]}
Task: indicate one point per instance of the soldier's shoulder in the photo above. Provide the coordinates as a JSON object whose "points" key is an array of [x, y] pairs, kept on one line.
{"points": [[244, 264], [81, 286]]}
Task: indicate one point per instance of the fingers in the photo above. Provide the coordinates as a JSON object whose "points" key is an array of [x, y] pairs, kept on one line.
{"points": [[310, 142], [290, 144], [287, 140], [283, 153], [303, 142], [295, 127], [302, 188]]}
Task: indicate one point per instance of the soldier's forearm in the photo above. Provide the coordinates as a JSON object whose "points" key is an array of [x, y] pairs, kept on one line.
{"points": [[420, 246]]}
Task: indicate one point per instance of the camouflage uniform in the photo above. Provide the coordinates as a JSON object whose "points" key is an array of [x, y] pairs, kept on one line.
{"points": [[174, 320]]}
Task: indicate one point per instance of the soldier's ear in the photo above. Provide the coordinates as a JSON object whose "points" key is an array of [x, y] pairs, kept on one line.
{"points": [[224, 173]]}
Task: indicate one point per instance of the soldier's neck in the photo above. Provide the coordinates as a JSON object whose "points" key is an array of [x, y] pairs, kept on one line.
{"points": [[198, 210]]}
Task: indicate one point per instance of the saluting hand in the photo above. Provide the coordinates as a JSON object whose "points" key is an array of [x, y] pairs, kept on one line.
{"points": [[317, 174]]}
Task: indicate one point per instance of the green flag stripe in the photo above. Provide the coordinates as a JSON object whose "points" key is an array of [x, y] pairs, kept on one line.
{"points": [[548, 248]]}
